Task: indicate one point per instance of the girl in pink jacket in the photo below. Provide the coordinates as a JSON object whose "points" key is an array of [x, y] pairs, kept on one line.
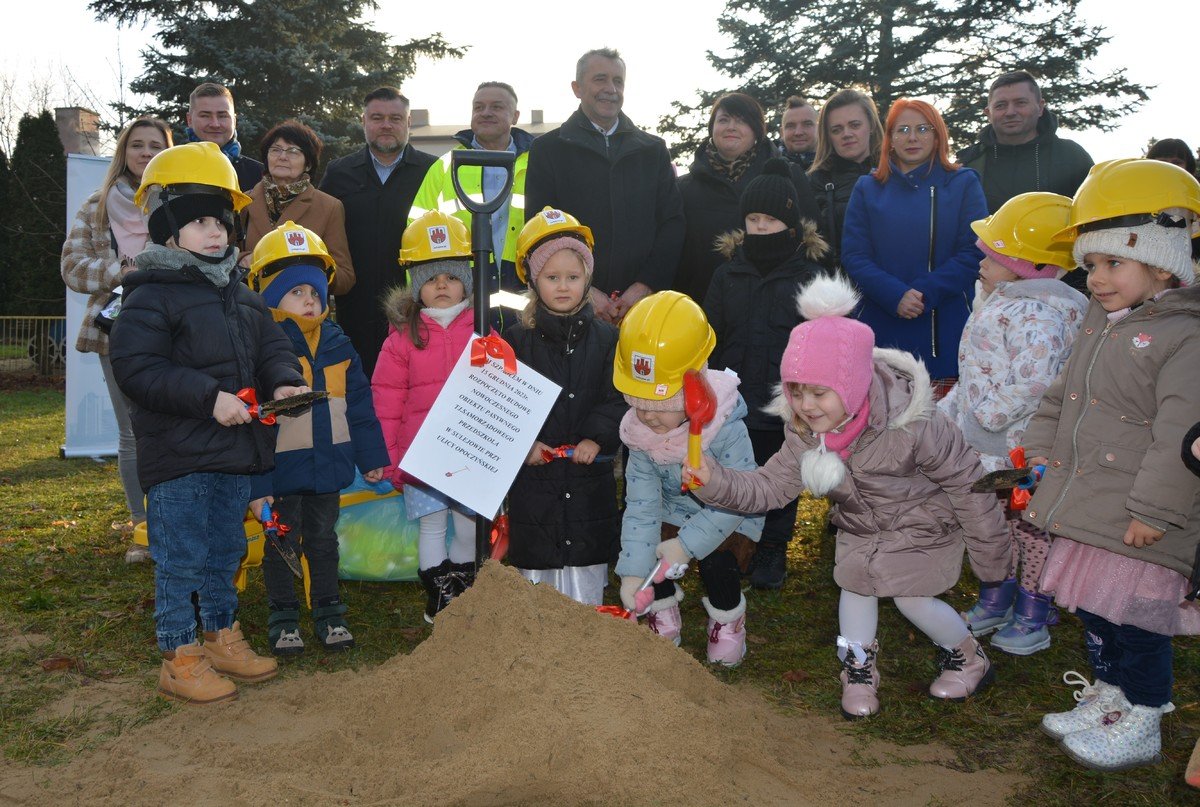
{"points": [[431, 324]]}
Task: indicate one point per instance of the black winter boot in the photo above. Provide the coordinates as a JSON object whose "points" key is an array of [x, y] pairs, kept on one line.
{"points": [[769, 566], [283, 632], [332, 631], [463, 575], [440, 587]]}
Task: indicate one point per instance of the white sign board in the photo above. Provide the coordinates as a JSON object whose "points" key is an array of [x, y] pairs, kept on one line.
{"points": [[91, 426], [479, 431]]}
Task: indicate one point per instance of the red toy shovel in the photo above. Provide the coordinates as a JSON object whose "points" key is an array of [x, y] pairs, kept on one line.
{"points": [[700, 405]]}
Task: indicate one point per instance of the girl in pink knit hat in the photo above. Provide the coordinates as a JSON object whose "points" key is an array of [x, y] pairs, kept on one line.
{"points": [[862, 430]]}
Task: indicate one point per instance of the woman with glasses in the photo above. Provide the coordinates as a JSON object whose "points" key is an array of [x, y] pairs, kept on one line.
{"points": [[848, 146], [908, 243], [290, 153]]}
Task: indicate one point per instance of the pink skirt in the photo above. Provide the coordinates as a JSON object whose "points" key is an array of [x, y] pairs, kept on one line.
{"points": [[1123, 590]]}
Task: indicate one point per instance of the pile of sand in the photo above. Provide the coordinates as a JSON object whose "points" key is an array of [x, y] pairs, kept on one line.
{"points": [[520, 696]]}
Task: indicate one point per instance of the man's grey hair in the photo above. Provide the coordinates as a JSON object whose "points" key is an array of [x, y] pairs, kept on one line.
{"points": [[499, 85], [605, 53]]}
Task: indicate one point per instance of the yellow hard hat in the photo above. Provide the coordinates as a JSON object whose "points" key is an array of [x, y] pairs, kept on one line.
{"points": [[287, 245], [434, 236], [1025, 227], [547, 223], [662, 337], [191, 168], [1130, 187]]}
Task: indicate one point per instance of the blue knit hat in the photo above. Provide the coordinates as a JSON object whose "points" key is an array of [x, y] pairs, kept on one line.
{"points": [[291, 277]]}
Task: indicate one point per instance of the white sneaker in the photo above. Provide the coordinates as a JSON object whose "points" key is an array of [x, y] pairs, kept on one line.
{"points": [[1095, 701], [1125, 738]]}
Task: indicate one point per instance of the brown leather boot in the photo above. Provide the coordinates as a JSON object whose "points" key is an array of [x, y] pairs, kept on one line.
{"points": [[231, 655], [965, 671], [190, 678]]}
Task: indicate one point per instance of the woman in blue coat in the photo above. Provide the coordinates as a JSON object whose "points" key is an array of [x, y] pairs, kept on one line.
{"points": [[908, 244]]}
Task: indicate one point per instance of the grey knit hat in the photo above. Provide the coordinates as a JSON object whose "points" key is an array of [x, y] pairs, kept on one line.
{"points": [[1152, 243], [422, 273]]}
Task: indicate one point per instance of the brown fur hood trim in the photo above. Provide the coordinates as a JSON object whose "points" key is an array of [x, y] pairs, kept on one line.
{"points": [[396, 304], [815, 245]]}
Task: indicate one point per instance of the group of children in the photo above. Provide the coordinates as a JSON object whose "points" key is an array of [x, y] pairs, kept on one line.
{"points": [[1100, 393]]}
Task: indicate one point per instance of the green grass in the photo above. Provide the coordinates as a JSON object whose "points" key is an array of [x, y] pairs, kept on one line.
{"points": [[64, 586]]}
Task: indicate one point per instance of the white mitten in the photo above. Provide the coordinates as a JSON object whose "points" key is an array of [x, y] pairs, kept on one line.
{"points": [[629, 589], [673, 552]]}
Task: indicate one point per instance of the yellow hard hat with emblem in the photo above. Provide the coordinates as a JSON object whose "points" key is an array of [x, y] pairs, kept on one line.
{"points": [[1135, 191], [662, 337], [434, 236], [547, 223], [190, 168], [287, 245], [1026, 226]]}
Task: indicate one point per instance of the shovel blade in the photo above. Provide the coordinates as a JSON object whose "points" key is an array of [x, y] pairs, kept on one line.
{"points": [[699, 400], [286, 552], [1004, 479]]}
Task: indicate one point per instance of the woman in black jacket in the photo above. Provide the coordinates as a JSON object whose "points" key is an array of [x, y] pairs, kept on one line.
{"points": [[732, 155], [849, 137]]}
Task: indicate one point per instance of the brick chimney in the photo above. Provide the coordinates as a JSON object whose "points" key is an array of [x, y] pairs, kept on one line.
{"points": [[78, 129]]}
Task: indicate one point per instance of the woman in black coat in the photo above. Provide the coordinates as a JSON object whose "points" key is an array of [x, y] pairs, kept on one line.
{"points": [[848, 141], [732, 155]]}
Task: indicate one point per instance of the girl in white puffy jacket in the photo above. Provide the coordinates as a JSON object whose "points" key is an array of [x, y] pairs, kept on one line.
{"points": [[1015, 343]]}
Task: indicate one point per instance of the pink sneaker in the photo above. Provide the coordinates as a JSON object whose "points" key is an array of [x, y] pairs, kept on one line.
{"points": [[726, 634], [664, 618]]}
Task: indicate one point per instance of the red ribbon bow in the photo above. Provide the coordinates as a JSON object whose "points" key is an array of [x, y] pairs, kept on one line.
{"points": [[249, 397], [494, 346], [1019, 498]]}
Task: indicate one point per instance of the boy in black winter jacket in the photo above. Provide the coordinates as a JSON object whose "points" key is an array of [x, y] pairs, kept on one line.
{"points": [[751, 305], [189, 336]]}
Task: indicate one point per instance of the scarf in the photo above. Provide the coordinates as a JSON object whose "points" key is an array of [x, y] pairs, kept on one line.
{"points": [[126, 220], [766, 252], [232, 149], [216, 269], [444, 316], [279, 196], [671, 448], [840, 440], [730, 169]]}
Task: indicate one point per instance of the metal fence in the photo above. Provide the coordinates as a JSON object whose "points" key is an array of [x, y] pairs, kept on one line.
{"points": [[33, 345]]}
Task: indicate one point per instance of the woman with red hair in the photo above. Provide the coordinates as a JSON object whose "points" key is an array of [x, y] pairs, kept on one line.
{"points": [[908, 244]]}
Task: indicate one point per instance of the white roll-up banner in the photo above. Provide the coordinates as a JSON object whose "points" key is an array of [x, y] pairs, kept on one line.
{"points": [[91, 425]]}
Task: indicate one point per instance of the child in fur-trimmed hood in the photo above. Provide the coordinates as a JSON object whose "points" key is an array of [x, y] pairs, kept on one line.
{"points": [[862, 430]]}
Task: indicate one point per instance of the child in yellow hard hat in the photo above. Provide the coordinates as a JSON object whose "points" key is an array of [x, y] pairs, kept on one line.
{"points": [[320, 447], [191, 335]]}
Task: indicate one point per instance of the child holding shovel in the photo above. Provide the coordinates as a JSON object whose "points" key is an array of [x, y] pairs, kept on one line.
{"points": [[190, 335], [563, 509], [862, 430], [663, 337], [318, 448]]}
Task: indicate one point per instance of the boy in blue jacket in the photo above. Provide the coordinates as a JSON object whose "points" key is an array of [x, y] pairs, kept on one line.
{"points": [[318, 449], [189, 336]]}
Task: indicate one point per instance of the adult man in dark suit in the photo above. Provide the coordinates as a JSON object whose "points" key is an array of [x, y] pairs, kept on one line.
{"points": [[376, 186]]}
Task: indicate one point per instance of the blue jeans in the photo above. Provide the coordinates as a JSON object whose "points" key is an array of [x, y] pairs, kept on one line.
{"points": [[1136, 660], [197, 542]]}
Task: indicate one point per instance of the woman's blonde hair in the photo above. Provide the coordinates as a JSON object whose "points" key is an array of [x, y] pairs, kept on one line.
{"points": [[119, 167], [825, 151]]}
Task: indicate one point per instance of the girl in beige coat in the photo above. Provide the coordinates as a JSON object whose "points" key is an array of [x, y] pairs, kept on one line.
{"points": [[862, 430], [1123, 513]]}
